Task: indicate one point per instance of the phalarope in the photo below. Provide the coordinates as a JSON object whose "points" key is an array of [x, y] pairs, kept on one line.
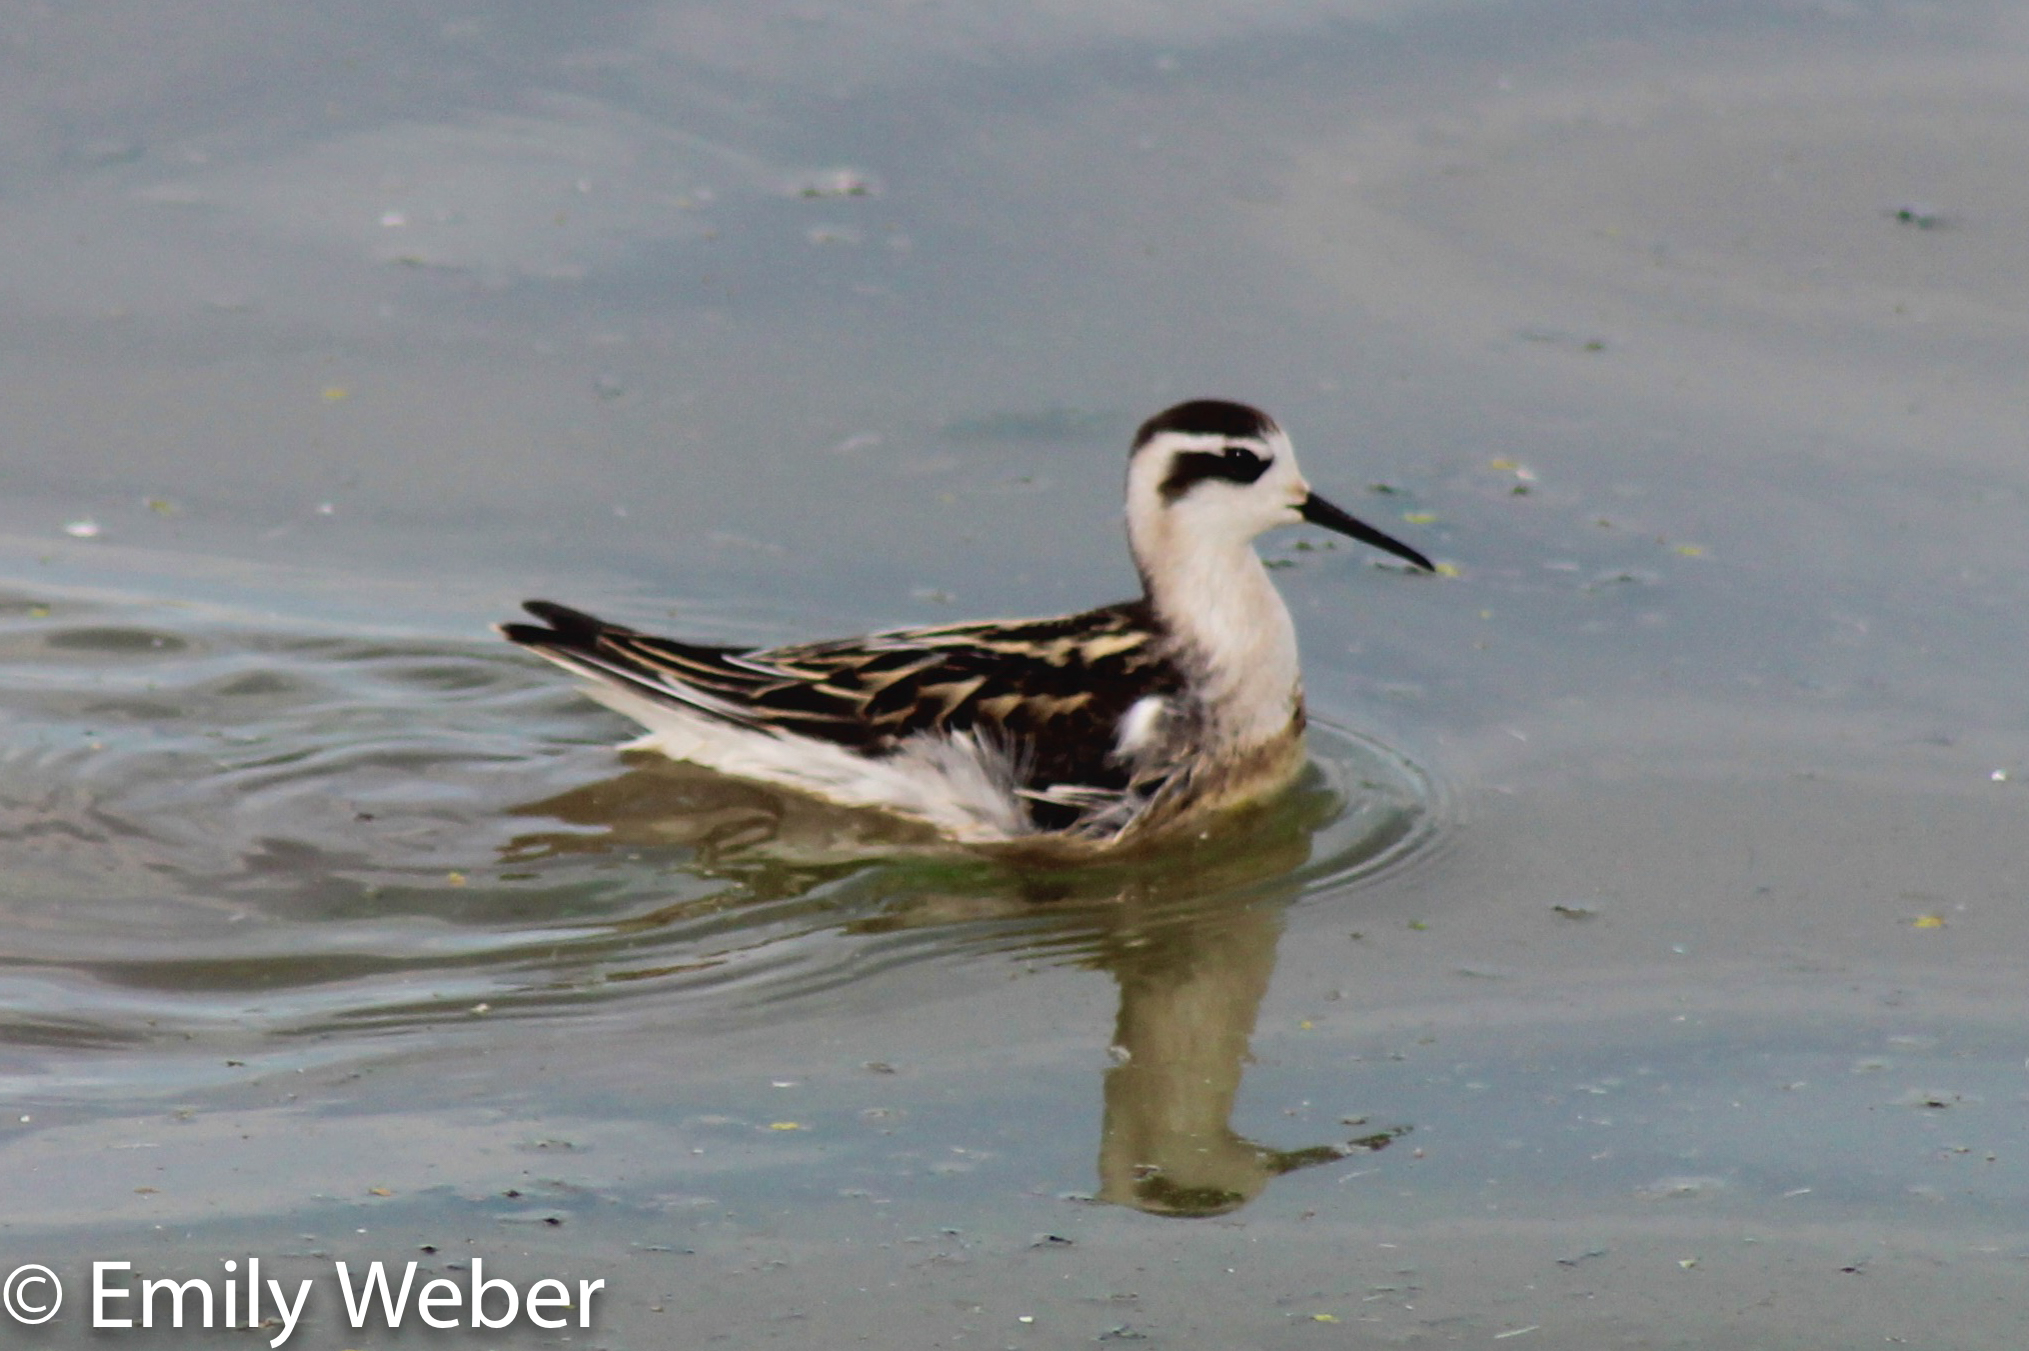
{"points": [[1086, 729]]}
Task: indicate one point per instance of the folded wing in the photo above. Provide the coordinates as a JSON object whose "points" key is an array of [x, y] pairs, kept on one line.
{"points": [[1050, 694]]}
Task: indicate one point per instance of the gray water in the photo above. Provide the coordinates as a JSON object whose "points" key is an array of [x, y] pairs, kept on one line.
{"points": [[1638, 963]]}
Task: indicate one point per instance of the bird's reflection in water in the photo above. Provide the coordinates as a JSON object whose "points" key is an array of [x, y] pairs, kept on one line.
{"points": [[1191, 982], [1188, 932]]}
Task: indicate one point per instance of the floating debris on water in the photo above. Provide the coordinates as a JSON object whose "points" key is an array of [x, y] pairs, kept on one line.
{"points": [[1624, 577], [1560, 338], [1378, 1141], [1918, 215], [1525, 477], [1680, 1188], [839, 183]]}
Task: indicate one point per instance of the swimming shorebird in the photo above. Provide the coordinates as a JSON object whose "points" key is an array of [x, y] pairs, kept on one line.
{"points": [[1087, 729]]}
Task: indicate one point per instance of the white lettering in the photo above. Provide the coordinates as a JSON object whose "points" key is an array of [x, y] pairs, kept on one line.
{"points": [[391, 1307], [432, 1296], [148, 1289], [290, 1312], [440, 1302], [480, 1285], [537, 1301], [101, 1292]]}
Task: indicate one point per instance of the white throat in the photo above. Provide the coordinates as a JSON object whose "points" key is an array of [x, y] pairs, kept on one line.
{"points": [[1216, 598]]}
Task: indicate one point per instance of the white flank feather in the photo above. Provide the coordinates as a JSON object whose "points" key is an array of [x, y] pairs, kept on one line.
{"points": [[955, 783]]}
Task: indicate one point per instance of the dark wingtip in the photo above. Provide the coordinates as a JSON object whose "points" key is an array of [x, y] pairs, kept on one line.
{"points": [[568, 622], [527, 635], [567, 627], [1208, 417]]}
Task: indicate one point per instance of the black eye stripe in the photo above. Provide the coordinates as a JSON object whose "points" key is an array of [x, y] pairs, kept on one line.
{"points": [[1235, 464]]}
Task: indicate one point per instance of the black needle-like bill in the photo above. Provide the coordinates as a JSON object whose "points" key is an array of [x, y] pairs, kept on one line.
{"points": [[1322, 513]]}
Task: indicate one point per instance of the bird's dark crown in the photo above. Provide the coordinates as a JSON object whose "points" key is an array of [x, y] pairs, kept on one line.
{"points": [[1207, 417]]}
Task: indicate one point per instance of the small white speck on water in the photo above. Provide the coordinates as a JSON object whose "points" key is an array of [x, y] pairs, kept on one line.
{"points": [[1999, 776], [85, 529]]}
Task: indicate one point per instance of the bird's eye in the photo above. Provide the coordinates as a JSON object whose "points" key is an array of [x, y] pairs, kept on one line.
{"points": [[1231, 463]]}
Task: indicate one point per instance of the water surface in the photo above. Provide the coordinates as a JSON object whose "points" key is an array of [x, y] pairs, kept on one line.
{"points": [[1639, 962]]}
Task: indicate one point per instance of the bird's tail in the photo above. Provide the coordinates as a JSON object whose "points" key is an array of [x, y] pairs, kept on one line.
{"points": [[569, 630]]}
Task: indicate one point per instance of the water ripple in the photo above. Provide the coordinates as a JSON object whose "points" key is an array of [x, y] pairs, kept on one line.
{"points": [[238, 827]]}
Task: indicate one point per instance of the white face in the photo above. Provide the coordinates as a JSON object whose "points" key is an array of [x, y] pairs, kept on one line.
{"points": [[1213, 475], [1210, 486]]}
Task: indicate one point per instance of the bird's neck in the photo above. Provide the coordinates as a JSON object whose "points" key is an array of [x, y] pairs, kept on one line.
{"points": [[1233, 630]]}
